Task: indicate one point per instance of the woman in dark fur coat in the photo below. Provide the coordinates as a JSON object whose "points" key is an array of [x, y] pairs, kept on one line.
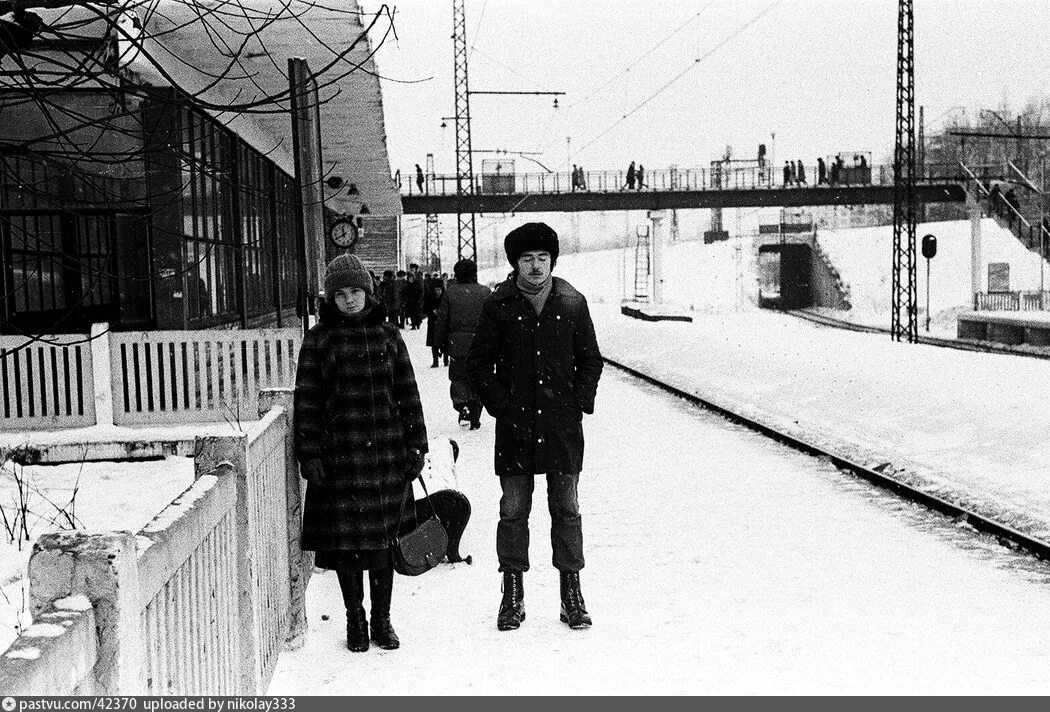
{"points": [[360, 440]]}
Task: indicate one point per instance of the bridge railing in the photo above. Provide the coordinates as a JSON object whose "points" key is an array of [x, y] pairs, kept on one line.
{"points": [[765, 176]]}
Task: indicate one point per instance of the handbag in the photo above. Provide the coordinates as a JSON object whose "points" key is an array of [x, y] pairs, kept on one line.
{"points": [[421, 549]]}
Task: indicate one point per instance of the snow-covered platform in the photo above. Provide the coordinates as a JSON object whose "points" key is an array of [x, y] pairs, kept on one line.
{"points": [[720, 562], [1028, 327], [967, 426]]}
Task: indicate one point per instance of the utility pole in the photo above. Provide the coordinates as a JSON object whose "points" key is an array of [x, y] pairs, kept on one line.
{"points": [[465, 187], [467, 244], [903, 318], [432, 235]]}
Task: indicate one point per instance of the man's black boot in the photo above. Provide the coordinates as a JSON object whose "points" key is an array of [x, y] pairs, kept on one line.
{"points": [[352, 586], [512, 607], [381, 583], [573, 610]]}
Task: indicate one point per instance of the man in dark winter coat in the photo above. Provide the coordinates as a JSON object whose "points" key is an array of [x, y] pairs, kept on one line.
{"points": [[534, 362], [360, 438], [457, 318], [390, 291], [412, 296]]}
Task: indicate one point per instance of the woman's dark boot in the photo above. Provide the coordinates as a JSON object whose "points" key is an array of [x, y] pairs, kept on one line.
{"points": [[352, 585], [573, 610], [512, 607], [381, 583]]}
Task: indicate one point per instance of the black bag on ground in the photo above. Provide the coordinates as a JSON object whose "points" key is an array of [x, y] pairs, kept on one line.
{"points": [[423, 547]]}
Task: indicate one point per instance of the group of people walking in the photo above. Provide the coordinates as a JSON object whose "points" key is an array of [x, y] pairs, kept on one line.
{"points": [[526, 352], [837, 173], [635, 177]]}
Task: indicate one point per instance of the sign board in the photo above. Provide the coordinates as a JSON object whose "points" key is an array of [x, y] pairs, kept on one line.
{"points": [[497, 176], [998, 276]]}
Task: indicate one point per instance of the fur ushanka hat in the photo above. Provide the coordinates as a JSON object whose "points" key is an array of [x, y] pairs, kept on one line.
{"points": [[531, 236]]}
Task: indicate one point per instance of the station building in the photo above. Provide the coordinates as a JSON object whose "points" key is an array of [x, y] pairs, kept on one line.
{"points": [[149, 176]]}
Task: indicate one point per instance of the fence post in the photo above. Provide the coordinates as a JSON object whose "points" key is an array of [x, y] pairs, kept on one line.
{"points": [[103, 566], [300, 563], [232, 451], [102, 374]]}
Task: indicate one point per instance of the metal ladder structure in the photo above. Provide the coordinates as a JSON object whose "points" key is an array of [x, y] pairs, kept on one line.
{"points": [[642, 265]]}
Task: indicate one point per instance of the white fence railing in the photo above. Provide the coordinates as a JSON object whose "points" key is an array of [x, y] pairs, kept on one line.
{"points": [[200, 601], [46, 383], [140, 378]]}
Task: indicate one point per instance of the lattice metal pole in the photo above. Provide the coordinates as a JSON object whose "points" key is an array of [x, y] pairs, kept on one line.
{"points": [[431, 236], [464, 157], [904, 319]]}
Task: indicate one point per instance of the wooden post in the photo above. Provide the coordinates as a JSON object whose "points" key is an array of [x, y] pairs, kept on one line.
{"points": [[101, 372]]}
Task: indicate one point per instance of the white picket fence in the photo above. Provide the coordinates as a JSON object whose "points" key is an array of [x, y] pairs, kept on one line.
{"points": [[141, 378], [200, 601], [46, 383]]}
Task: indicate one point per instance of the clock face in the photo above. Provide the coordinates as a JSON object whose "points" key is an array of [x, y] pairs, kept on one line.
{"points": [[343, 233]]}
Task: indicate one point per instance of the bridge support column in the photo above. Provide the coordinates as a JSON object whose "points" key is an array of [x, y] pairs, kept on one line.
{"points": [[976, 279], [657, 216]]}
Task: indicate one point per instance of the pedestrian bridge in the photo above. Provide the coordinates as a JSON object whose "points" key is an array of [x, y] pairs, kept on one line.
{"points": [[746, 187]]}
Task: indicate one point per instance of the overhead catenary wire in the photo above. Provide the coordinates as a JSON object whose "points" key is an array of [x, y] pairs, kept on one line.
{"points": [[733, 35]]}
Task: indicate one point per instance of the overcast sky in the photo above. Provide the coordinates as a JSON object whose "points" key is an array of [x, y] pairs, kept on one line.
{"points": [[674, 82]]}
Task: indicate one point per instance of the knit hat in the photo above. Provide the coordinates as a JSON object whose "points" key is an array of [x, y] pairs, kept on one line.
{"points": [[531, 236], [466, 271], [346, 271]]}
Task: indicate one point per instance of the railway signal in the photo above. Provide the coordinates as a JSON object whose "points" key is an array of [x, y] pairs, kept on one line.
{"points": [[929, 251]]}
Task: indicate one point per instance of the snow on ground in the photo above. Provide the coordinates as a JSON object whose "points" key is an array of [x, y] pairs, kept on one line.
{"points": [[108, 496], [717, 562], [964, 424], [863, 257]]}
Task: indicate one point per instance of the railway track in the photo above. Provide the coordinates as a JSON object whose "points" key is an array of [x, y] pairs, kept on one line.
{"points": [[1008, 536], [982, 346]]}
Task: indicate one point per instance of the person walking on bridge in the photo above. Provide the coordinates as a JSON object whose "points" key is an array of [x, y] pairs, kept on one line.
{"points": [[420, 180], [822, 171], [787, 174], [800, 179], [534, 362], [640, 176], [630, 176]]}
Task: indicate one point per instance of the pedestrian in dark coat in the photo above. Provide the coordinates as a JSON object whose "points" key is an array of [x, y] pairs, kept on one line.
{"points": [[360, 439], [822, 171], [390, 297], [534, 362], [412, 297], [630, 176], [457, 318], [435, 291], [801, 177]]}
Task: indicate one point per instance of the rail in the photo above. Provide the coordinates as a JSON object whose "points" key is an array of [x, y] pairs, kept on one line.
{"points": [[670, 180], [881, 477]]}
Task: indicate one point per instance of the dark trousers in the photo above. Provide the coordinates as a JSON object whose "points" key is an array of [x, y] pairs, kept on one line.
{"points": [[512, 532]]}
